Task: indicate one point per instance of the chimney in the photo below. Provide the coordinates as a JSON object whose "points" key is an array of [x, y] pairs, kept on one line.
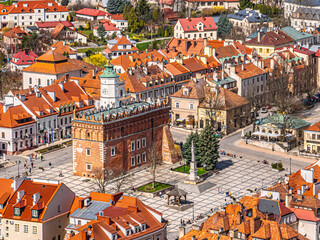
{"points": [[20, 195], [272, 63], [61, 86], [259, 36], [205, 42], [22, 97], [145, 70], [186, 46], [174, 48], [242, 67], [129, 71], [81, 203], [299, 191], [94, 73], [303, 189], [288, 199], [238, 218], [38, 94], [167, 49], [213, 52], [36, 198], [179, 41], [52, 95], [262, 64]]}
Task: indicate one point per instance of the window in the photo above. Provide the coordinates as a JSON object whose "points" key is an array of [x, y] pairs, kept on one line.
{"points": [[132, 145], [177, 105], [16, 227], [113, 151], [133, 161], [17, 211], [25, 228], [35, 213], [191, 106], [138, 144], [59, 208], [144, 142], [65, 120], [88, 151], [30, 80], [34, 230], [138, 159], [3, 135], [89, 166], [144, 157], [158, 237]]}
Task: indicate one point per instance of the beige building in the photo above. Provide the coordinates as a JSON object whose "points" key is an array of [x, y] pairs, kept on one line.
{"points": [[312, 138], [38, 209], [199, 5], [196, 105]]}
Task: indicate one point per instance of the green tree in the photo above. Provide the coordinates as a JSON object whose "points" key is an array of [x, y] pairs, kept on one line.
{"points": [[156, 14], [143, 9], [64, 2], [208, 148], [116, 6], [126, 11], [194, 136], [89, 52], [166, 33], [30, 42], [133, 24], [3, 59], [88, 25], [244, 4], [224, 26], [101, 31]]}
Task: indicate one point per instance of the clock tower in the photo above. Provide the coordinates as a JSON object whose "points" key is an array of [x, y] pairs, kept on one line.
{"points": [[109, 87]]}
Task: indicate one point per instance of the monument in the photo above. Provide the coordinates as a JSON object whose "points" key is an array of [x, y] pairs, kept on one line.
{"points": [[193, 175]]}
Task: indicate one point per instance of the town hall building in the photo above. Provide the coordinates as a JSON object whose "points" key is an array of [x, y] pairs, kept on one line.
{"points": [[120, 138]]}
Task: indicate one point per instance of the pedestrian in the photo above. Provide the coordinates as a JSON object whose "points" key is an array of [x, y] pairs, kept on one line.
{"points": [[36, 156], [30, 170], [32, 165], [41, 157], [30, 158], [50, 164], [160, 193]]}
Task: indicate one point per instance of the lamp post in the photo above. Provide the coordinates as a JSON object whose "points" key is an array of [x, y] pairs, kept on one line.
{"points": [[193, 212], [290, 166]]}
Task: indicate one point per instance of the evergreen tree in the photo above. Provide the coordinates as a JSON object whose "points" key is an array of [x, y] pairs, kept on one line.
{"points": [[187, 147], [166, 33], [143, 8], [126, 11], [208, 148], [64, 2], [224, 26], [133, 25], [243, 4], [101, 31], [116, 6]]}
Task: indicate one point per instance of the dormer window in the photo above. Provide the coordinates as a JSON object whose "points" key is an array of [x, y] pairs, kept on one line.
{"points": [[1, 206], [185, 92], [17, 212], [35, 214], [128, 232]]}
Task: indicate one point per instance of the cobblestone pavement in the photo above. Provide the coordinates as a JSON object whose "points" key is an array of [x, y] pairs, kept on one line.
{"points": [[236, 175]]}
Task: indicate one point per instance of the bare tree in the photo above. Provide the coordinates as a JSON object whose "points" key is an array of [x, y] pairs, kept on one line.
{"points": [[120, 182], [309, 78], [102, 178], [253, 98], [9, 80]]}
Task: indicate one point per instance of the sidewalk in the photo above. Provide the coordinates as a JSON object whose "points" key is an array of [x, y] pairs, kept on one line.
{"points": [[240, 143], [26, 153]]}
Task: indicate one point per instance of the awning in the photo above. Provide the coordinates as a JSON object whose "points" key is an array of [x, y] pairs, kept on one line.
{"points": [[180, 119]]}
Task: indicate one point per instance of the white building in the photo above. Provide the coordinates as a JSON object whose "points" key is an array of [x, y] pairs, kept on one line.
{"points": [[120, 46], [194, 28], [27, 13], [110, 29], [90, 14], [118, 20], [291, 6]]}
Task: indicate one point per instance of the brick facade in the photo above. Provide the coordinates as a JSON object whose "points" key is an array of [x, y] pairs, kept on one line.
{"points": [[123, 141]]}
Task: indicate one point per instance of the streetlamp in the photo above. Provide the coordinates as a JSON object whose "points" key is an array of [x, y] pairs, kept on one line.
{"points": [[193, 212], [290, 166]]}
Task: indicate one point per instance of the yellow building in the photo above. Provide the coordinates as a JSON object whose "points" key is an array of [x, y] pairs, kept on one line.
{"points": [[266, 42]]}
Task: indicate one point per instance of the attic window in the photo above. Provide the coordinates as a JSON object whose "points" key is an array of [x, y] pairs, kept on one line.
{"points": [[17, 211], [3, 10], [35, 214], [185, 92]]}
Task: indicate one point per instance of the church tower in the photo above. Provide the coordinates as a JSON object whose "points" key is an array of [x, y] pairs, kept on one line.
{"points": [[109, 87]]}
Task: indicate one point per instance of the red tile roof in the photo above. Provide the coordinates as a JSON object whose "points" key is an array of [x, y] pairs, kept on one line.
{"points": [[90, 12], [109, 27], [53, 24], [16, 32], [115, 16], [47, 191], [30, 6], [250, 70], [315, 127], [306, 215], [271, 38], [24, 58], [15, 116], [190, 24], [61, 47]]}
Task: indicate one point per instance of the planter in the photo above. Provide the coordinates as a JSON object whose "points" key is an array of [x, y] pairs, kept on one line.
{"points": [[164, 190]]}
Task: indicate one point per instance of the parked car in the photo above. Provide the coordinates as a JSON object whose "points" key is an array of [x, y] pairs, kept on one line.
{"points": [[267, 107], [264, 110]]}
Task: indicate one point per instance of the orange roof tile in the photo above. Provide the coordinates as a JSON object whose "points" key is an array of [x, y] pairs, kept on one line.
{"points": [[61, 47], [15, 116], [250, 70]]}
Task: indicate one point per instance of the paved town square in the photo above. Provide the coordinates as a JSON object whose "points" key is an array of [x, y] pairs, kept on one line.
{"points": [[236, 176]]}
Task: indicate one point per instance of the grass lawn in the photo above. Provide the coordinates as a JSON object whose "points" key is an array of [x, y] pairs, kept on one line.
{"points": [[186, 169], [86, 32], [148, 187], [143, 46], [94, 50]]}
